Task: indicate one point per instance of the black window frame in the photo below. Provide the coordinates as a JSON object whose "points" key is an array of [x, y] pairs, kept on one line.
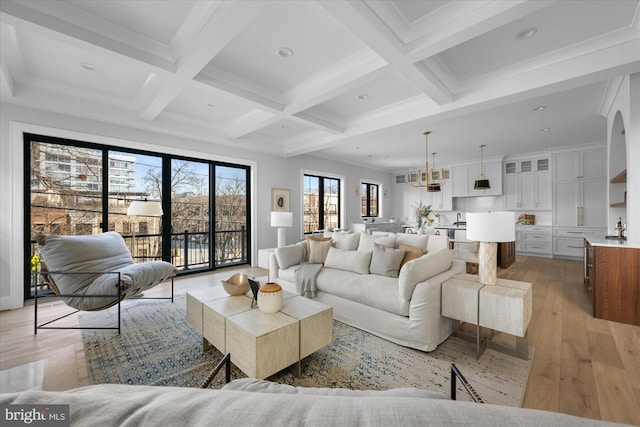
{"points": [[321, 212], [365, 187], [104, 226]]}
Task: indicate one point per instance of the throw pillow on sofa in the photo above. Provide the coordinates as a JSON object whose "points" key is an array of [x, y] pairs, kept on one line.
{"points": [[367, 241], [289, 255], [418, 240], [345, 241], [317, 249], [410, 252], [386, 261], [354, 261]]}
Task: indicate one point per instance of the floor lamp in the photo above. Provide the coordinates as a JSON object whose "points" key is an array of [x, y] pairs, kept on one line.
{"points": [[489, 228], [282, 220]]}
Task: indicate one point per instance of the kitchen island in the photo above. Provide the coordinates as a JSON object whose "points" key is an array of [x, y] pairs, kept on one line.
{"points": [[612, 274]]}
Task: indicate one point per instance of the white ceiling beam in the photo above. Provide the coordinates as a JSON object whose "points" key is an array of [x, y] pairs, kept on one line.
{"points": [[243, 89], [230, 18], [317, 122], [250, 122], [365, 25], [467, 26], [596, 66], [50, 26], [357, 70]]}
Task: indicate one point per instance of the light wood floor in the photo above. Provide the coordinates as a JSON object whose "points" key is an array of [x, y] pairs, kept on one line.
{"points": [[582, 366]]}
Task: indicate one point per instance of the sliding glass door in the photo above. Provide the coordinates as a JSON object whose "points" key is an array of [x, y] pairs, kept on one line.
{"points": [[231, 214], [190, 214], [79, 188]]}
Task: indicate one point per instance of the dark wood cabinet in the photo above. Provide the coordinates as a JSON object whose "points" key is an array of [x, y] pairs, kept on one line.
{"points": [[612, 274], [506, 254]]}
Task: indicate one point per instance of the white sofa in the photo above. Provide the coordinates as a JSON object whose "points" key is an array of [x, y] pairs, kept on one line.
{"points": [[248, 404], [403, 309]]}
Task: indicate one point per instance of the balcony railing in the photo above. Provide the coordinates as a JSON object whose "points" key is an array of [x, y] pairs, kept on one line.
{"points": [[190, 251]]}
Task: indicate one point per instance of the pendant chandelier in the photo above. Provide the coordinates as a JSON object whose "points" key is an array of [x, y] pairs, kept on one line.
{"points": [[482, 182], [434, 179]]}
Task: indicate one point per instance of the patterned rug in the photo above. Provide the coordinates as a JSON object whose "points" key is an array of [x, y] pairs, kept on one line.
{"points": [[158, 347]]}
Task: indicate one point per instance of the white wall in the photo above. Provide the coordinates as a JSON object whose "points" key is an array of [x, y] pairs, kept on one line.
{"points": [[268, 171], [627, 101]]}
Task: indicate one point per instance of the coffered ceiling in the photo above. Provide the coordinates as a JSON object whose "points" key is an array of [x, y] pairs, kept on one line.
{"points": [[357, 80]]}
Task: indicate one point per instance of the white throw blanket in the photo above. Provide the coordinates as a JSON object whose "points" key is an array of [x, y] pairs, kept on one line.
{"points": [[305, 277]]}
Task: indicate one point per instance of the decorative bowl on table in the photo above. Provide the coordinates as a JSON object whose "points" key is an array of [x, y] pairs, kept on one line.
{"points": [[238, 284]]}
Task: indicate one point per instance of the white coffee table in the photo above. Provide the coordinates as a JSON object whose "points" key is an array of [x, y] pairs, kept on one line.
{"points": [[260, 344]]}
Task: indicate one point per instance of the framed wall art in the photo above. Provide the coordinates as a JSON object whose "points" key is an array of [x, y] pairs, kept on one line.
{"points": [[279, 200]]}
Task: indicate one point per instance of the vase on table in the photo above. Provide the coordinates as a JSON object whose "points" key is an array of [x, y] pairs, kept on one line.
{"points": [[270, 298]]}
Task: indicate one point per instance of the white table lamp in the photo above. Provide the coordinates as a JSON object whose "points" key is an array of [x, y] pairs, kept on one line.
{"points": [[281, 220], [489, 228]]}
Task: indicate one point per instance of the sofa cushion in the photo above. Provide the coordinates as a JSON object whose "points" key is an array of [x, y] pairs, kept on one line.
{"points": [[367, 241], [355, 261], [288, 274], [421, 269], [386, 261], [346, 241], [317, 249], [289, 255], [417, 240], [410, 252], [263, 386], [369, 289]]}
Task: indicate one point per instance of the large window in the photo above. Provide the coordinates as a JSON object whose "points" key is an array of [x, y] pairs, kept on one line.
{"points": [[369, 200], [80, 188], [321, 203]]}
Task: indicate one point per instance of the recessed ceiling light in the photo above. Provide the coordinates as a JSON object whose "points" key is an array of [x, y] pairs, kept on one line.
{"points": [[544, 129], [526, 33], [87, 66], [363, 96], [284, 52], [539, 108]]}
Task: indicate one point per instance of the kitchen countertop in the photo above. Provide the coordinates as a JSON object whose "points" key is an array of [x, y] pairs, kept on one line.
{"points": [[614, 243]]}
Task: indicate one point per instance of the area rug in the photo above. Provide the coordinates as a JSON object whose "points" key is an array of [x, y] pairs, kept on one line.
{"points": [[158, 347]]}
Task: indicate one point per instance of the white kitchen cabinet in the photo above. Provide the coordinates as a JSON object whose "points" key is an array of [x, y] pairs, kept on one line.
{"points": [[587, 164], [528, 191], [464, 177], [579, 199], [579, 189], [408, 197], [569, 241], [580, 202], [533, 240], [441, 201]]}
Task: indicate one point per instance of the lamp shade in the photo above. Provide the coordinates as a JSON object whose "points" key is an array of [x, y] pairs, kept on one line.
{"points": [[481, 184], [281, 219], [145, 208], [491, 226]]}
